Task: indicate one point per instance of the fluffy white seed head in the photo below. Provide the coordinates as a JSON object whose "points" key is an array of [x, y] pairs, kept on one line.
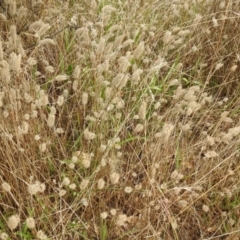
{"points": [[51, 120], [37, 137], [6, 187], [104, 215], [142, 110], [72, 186], [205, 208], [88, 135], [75, 85], [49, 69], [76, 72], [218, 66], [128, 189], [233, 68], [47, 41], [84, 202], [61, 77], [215, 22], [86, 162], [36, 187], [60, 100], [138, 128], [31, 61], [15, 61], [137, 53], [211, 154], [84, 98], [30, 222], [43, 147], [74, 159], [4, 236], [121, 220], [114, 177], [113, 212], [84, 184], [136, 76], [41, 235], [101, 183], [167, 38], [13, 221], [62, 192], [71, 165], [66, 181]]}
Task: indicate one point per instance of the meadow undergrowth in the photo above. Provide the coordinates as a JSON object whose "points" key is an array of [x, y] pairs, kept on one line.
{"points": [[119, 119]]}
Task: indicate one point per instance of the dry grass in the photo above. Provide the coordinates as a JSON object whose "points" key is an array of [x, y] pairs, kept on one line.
{"points": [[119, 119]]}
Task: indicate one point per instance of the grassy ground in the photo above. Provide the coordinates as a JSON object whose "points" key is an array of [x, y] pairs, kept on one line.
{"points": [[119, 119]]}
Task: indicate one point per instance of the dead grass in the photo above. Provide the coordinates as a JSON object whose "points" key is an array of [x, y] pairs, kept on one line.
{"points": [[119, 119]]}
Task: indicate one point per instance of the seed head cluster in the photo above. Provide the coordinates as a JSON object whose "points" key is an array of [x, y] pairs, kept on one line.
{"points": [[119, 120]]}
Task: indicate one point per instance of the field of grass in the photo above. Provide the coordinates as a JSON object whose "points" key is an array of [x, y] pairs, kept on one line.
{"points": [[120, 119]]}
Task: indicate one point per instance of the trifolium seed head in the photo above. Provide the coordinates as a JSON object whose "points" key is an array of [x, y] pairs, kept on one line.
{"points": [[138, 186], [6, 187], [104, 215], [71, 165], [59, 130], [84, 202], [62, 192], [113, 211], [114, 177], [233, 68], [102, 148], [42, 147], [41, 235], [74, 159], [86, 162], [215, 22], [121, 220], [36, 187], [37, 137], [205, 208], [88, 135], [30, 222], [128, 189], [4, 236], [138, 128], [66, 181], [13, 221], [73, 21], [72, 186], [84, 184], [218, 66]]}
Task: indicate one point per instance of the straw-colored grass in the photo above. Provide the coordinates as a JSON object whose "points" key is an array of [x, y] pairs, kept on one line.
{"points": [[119, 119]]}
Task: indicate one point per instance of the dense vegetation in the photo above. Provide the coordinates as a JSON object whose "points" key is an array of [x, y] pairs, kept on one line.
{"points": [[119, 119]]}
